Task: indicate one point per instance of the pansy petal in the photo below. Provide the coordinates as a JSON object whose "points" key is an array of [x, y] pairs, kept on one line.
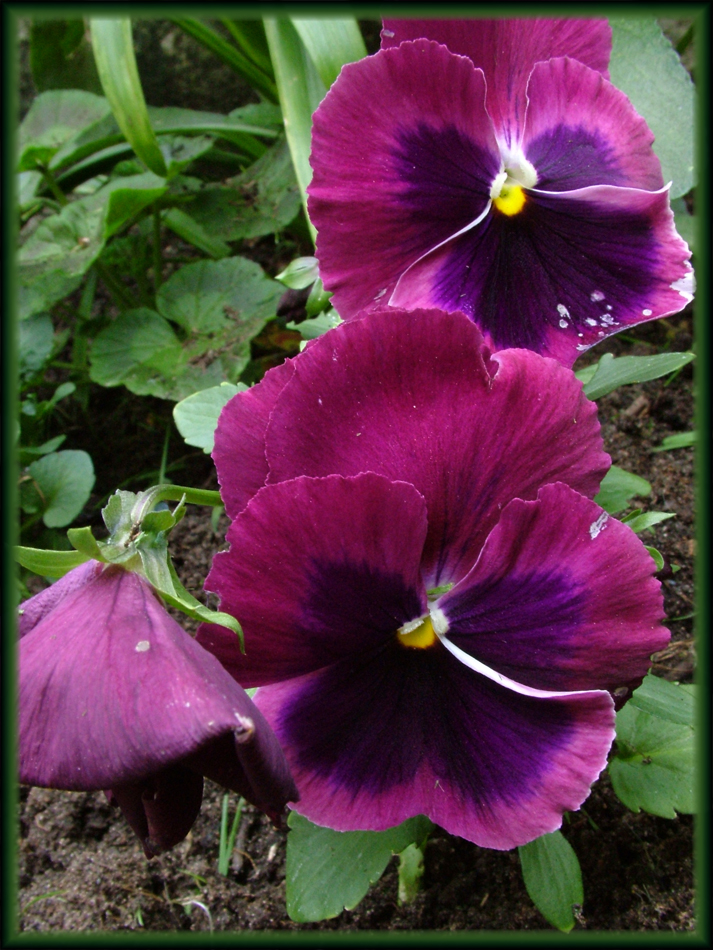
{"points": [[567, 271], [581, 131], [395, 173], [318, 569], [408, 395], [113, 691], [563, 597], [33, 610], [507, 50], [239, 444], [161, 809], [378, 739]]}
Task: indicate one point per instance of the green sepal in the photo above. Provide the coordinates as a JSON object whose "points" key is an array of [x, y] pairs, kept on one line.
{"points": [[49, 563], [83, 540], [299, 273]]}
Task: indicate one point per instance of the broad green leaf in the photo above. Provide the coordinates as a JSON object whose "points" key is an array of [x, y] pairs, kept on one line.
{"points": [[330, 871], [639, 521], [645, 66], [220, 306], [188, 228], [553, 878], [310, 329], [653, 767], [197, 416], [681, 440], [331, 44], [61, 57], [210, 296], [64, 481], [35, 343], [685, 222], [113, 47], [263, 199], [68, 243], [180, 151], [53, 118], [137, 347], [612, 372], [49, 563], [28, 453], [39, 290], [299, 273], [300, 90], [27, 185], [669, 701], [618, 487]]}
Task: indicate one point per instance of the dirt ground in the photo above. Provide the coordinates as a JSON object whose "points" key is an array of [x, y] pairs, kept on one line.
{"points": [[81, 869]]}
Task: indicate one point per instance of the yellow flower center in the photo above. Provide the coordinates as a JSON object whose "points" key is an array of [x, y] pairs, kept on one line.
{"points": [[511, 199], [419, 634]]}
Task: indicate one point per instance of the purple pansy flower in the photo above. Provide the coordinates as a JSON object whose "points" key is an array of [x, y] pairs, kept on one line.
{"points": [[115, 695], [434, 609], [488, 166]]}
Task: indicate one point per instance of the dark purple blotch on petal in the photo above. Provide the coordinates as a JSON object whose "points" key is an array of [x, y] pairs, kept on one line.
{"points": [[447, 177], [368, 724], [555, 265], [539, 609], [568, 158]]}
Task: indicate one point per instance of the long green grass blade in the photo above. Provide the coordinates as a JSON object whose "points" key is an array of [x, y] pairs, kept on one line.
{"points": [[300, 90], [229, 54], [114, 54], [331, 44], [250, 37]]}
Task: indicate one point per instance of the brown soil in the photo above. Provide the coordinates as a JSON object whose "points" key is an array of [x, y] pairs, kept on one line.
{"points": [[81, 869]]}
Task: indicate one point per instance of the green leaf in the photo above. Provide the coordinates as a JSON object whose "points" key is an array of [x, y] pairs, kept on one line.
{"points": [[299, 273], [612, 372], [113, 47], [49, 563], [685, 222], [669, 701], [61, 57], [40, 289], [657, 556], [220, 305], [35, 344], [68, 243], [311, 329], [64, 481], [553, 878], [196, 417], [104, 135], [329, 871], [139, 349], [263, 199], [618, 487], [180, 151], [331, 44], [645, 66], [681, 440], [208, 296], [411, 870], [300, 90], [318, 300], [191, 231], [639, 521], [53, 118], [653, 767]]}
